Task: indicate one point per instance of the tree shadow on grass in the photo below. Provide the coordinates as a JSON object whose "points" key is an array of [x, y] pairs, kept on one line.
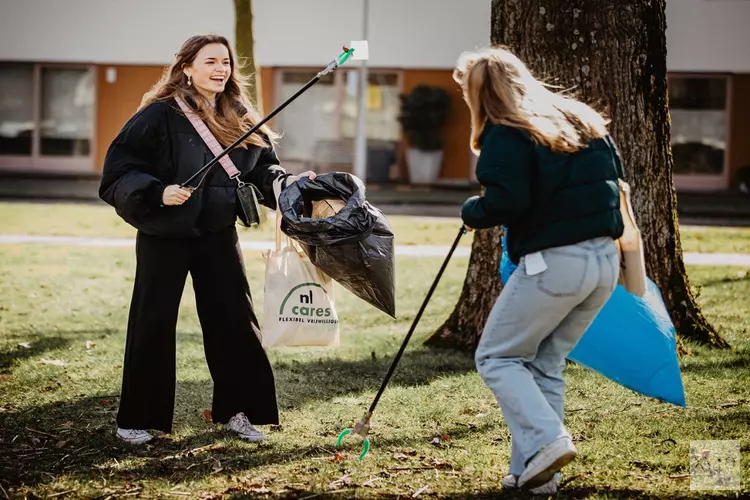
{"points": [[321, 380], [77, 440], [568, 492], [737, 360], [12, 355], [75, 437]]}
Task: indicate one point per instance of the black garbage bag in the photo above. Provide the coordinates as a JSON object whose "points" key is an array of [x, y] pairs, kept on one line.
{"points": [[353, 246]]}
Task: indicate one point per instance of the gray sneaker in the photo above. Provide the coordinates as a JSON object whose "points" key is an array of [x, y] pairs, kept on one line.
{"points": [[510, 482], [134, 436], [547, 463], [240, 425]]}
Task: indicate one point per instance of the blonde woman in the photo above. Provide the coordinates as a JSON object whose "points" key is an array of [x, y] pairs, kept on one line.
{"points": [[550, 173], [182, 231]]}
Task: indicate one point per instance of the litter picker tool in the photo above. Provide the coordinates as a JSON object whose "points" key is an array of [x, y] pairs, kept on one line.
{"points": [[358, 50], [362, 428]]}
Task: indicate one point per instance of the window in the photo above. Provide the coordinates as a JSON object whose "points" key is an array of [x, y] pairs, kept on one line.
{"points": [[311, 118], [16, 109], [698, 108], [383, 106], [319, 128], [46, 117], [67, 112]]}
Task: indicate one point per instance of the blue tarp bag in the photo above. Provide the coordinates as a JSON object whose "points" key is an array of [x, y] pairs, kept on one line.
{"points": [[632, 341]]}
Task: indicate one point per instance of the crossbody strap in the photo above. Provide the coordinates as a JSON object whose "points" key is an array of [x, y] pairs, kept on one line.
{"points": [[209, 139]]}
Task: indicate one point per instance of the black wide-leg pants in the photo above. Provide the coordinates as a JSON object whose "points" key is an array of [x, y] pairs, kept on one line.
{"points": [[241, 372]]}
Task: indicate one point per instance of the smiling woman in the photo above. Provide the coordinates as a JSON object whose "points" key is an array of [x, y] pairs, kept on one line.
{"points": [[193, 231]]}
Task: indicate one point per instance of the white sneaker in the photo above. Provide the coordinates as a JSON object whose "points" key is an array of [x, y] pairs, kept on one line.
{"points": [[134, 436], [244, 429], [547, 463], [510, 482]]}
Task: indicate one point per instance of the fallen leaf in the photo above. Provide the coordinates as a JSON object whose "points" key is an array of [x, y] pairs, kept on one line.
{"points": [[207, 416], [439, 464], [346, 401], [445, 438], [25, 345], [104, 402], [5, 378], [67, 425], [90, 345], [56, 362], [258, 489], [420, 491], [60, 444], [371, 483], [338, 457]]}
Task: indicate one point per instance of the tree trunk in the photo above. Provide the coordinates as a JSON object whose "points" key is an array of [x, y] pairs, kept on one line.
{"points": [[245, 48], [481, 288], [612, 54]]}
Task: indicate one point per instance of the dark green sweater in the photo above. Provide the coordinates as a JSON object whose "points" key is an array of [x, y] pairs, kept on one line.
{"points": [[545, 199]]}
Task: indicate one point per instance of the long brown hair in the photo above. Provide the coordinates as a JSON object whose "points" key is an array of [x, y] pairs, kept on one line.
{"points": [[234, 114], [498, 87]]}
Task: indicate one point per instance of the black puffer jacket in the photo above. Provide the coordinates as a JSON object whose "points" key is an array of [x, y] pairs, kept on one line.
{"points": [[157, 147]]}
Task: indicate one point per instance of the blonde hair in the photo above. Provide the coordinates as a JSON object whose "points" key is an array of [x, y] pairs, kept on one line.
{"points": [[498, 87], [234, 114]]}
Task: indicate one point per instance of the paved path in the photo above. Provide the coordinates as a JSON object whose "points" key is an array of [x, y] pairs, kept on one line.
{"points": [[710, 259]]}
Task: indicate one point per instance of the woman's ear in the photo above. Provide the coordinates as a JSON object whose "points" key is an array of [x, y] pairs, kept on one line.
{"points": [[185, 70]]}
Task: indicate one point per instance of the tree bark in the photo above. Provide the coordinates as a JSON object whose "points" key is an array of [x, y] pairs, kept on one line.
{"points": [[612, 54], [245, 48]]}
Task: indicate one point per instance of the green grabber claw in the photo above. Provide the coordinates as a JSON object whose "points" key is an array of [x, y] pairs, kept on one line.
{"points": [[345, 55], [361, 428], [333, 65]]}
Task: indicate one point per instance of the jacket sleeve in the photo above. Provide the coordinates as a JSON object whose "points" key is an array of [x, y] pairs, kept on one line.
{"points": [[504, 170], [129, 181], [264, 172], [616, 157]]}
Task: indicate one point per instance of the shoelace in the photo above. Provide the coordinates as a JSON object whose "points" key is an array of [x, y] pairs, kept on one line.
{"points": [[245, 426]]}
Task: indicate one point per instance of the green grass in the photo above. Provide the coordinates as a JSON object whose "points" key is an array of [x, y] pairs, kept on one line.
{"points": [[57, 422], [99, 220]]}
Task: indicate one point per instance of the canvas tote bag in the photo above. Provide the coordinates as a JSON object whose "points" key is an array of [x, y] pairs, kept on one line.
{"points": [[630, 245], [299, 308]]}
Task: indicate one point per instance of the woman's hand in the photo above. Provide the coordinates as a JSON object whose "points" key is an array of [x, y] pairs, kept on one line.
{"points": [[312, 175], [175, 195], [294, 178]]}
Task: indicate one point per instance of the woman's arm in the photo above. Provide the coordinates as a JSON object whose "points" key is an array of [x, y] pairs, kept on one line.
{"points": [[504, 170], [129, 181], [266, 171]]}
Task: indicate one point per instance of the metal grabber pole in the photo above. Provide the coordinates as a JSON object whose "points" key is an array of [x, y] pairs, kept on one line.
{"points": [[362, 427], [332, 66]]}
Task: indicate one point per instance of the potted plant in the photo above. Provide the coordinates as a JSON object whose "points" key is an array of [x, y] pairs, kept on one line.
{"points": [[424, 112]]}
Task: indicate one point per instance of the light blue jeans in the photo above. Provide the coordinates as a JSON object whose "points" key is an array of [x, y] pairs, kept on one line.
{"points": [[535, 323]]}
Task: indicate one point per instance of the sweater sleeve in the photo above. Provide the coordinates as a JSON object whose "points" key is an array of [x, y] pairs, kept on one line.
{"points": [[504, 170], [264, 172], [617, 158], [128, 180]]}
